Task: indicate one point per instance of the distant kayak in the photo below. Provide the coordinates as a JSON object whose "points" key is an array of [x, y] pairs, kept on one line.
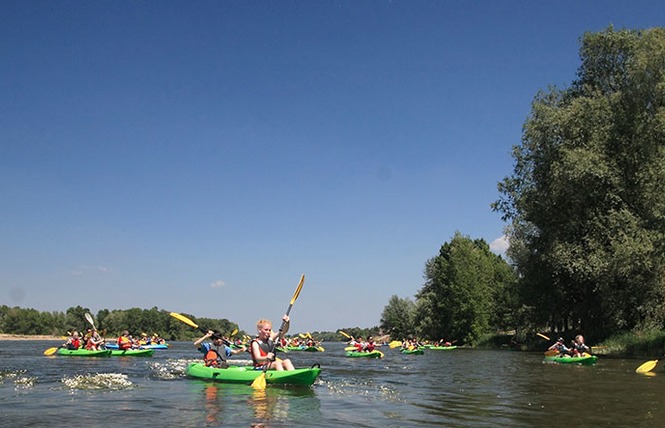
{"points": [[160, 346], [586, 360], [246, 374], [416, 351], [83, 352], [132, 352], [442, 348], [155, 346], [361, 354], [305, 348]]}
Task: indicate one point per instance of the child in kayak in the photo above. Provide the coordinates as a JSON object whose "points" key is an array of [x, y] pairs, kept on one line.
{"points": [[262, 348], [73, 342], [94, 342], [124, 341], [560, 347], [579, 347], [215, 354]]}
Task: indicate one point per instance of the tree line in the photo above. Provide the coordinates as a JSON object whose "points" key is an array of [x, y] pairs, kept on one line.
{"points": [[28, 321], [584, 207]]}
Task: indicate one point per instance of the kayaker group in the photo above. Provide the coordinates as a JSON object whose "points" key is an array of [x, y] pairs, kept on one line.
{"points": [[93, 341], [363, 345], [577, 347], [261, 349]]}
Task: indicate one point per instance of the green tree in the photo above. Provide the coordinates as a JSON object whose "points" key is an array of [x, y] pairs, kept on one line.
{"points": [[463, 286], [398, 318], [75, 318], [585, 200]]}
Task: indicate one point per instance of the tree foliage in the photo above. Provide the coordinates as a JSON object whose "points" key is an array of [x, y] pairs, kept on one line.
{"points": [[398, 317], [585, 200], [15, 320], [466, 288]]}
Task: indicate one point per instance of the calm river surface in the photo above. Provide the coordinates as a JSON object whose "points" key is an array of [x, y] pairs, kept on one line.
{"points": [[459, 388]]}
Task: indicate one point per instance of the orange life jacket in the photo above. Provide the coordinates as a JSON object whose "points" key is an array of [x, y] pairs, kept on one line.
{"points": [[213, 358], [124, 343]]}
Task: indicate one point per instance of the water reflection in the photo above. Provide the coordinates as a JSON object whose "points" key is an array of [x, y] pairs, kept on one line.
{"points": [[212, 406]]}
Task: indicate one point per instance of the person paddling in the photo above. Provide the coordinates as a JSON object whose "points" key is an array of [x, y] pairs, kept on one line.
{"points": [[95, 342], [216, 353], [125, 341], [262, 348], [73, 342], [559, 347], [579, 347]]}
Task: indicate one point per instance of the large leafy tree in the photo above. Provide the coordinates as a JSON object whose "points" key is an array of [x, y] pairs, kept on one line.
{"points": [[585, 201], [398, 317], [464, 288]]}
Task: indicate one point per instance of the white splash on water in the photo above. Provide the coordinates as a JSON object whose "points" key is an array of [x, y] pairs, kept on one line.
{"points": [[112, 381]]}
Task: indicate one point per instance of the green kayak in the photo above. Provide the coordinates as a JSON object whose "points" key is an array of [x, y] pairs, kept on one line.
{"points": [[247, 374], [416, 351], [586, 360], [442, 348], [132, 352], [313, 349], [356, 354], [83, 352]]}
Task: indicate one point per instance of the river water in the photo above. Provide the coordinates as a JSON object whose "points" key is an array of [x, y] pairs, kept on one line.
{"points": [[459, 388]]}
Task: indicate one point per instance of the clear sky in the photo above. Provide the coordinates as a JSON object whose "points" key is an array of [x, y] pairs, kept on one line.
{"points": [[199, 156]]}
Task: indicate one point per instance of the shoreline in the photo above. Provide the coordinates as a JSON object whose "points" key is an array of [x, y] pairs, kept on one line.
{"points": [[4, 336]]}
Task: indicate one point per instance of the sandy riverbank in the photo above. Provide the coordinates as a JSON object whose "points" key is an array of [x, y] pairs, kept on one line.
{"points": [[28, 337]]}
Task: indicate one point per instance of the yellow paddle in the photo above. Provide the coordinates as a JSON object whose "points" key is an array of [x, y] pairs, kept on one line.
{"points": [[50, 351], [348, 336], [187, 321], [647, 367], [551, 353], [395, 344], [543, 336], [260, 382]]}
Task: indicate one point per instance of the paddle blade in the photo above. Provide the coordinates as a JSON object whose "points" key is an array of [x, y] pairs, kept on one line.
{"points": [[543, 336], [260, 382], [381, 354], [234, 332], [50, 351], [350, 348], [184, 319], [300, 284], [551, 353], [89, 318], [646, 367], [395, 344], [345, 334]]}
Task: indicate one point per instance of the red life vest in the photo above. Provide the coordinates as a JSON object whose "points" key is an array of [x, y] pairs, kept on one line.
{"points": [[264, 348]]}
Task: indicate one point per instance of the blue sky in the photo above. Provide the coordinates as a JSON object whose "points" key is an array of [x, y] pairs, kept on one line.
{"points": [[199, 156]]}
